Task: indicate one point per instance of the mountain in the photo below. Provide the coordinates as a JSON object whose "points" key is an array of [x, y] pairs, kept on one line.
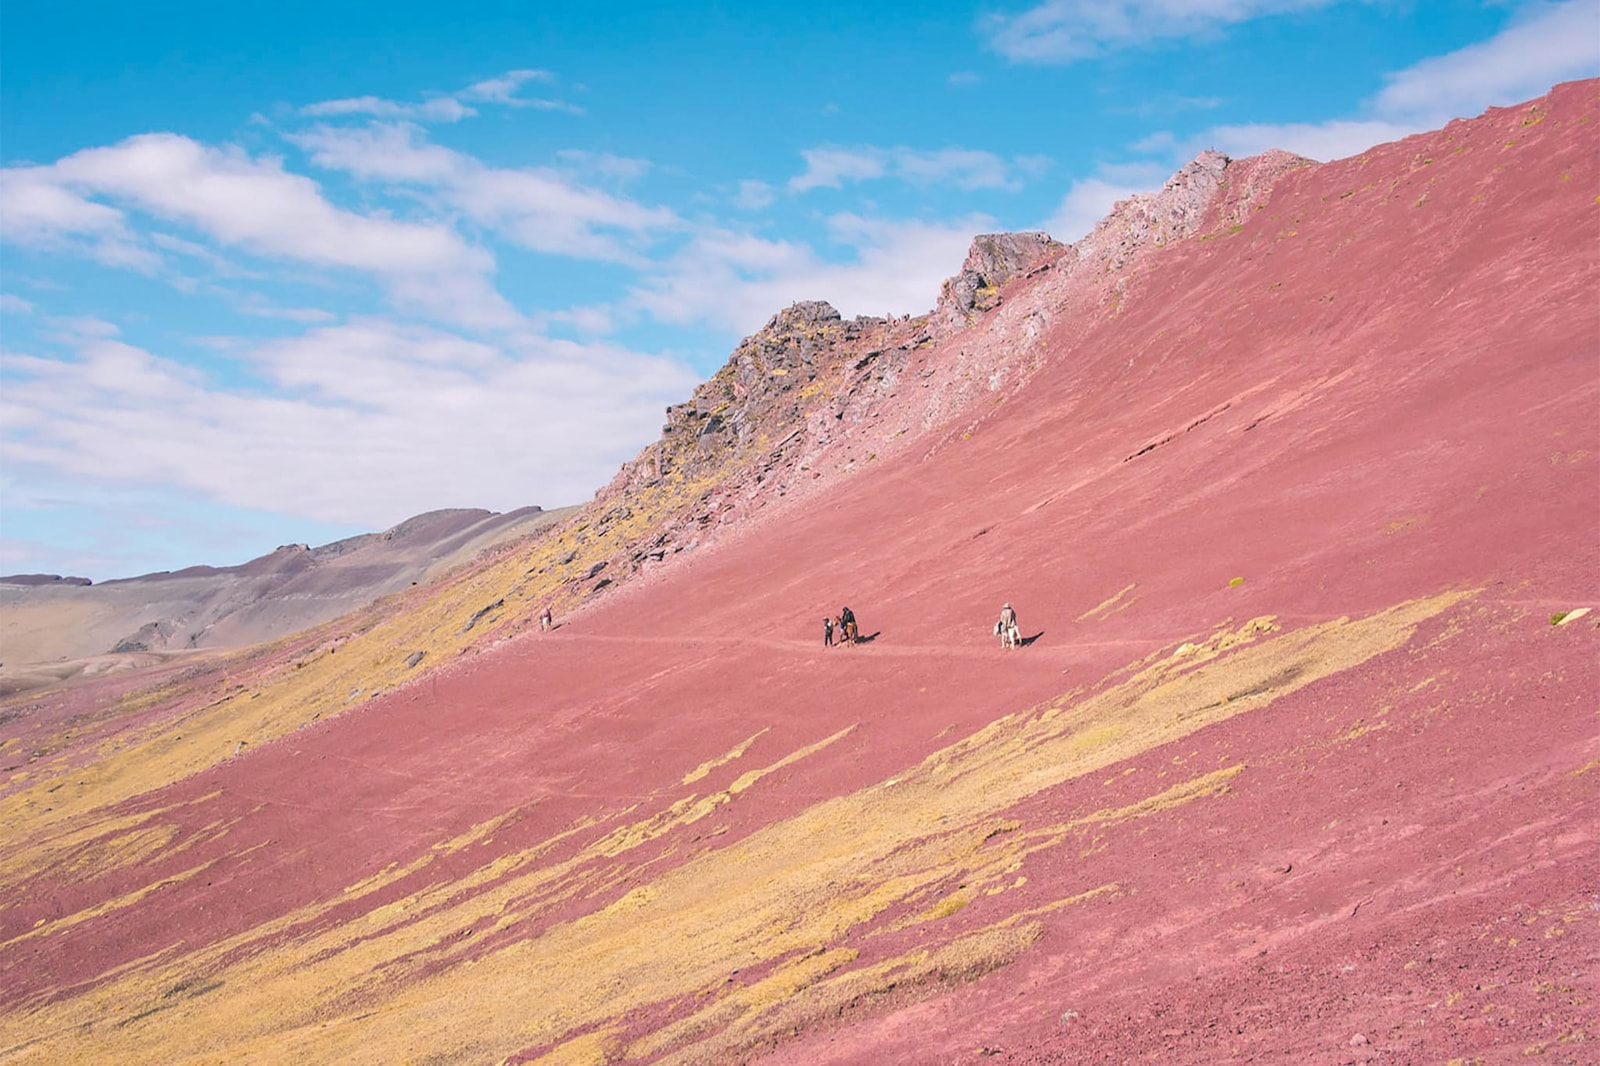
{"points": [[57, 628], [1290, 472]]}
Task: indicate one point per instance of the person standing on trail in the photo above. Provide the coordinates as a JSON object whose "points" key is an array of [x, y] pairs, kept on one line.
{"points": [[1010, 635], [847, 621], [827, 632], [547, 620]]}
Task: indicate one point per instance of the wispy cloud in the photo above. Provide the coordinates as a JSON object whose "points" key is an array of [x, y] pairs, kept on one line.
{"points": [[736, 281], [14, 305], [42, 212], [504, 89], [1061, 31], [834, 166], [1334, 139], [1545, 44], [754, 196], [437, 109], [621, 169], [1089, 200], [365, 423], [448, 107], [255, 205], [257, 307], [538, 208]]}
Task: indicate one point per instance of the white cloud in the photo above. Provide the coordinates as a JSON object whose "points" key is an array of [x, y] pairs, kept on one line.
{"points": [[219, 264], [1159, 141], [259, 308], [368, 422], [382, 151], [447, 107], [1315, 140], [1548, 43], [736, 281], [593, 320], [754, 196], [966, 168], [41, 212], [1087, 202], [1545, 44], [832, 167], [618, 168], [14, 305], [1060, 31], [538, 208], [79, 328], [963, 78], [504, 89], [438, 109], [257, 206]]}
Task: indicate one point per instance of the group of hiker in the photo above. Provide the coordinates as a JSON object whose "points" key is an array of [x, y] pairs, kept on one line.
{"points": [[841, 628]]}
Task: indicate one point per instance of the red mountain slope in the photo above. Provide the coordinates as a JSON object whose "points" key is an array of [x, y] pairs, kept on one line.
{"points": [[1295, 765]]}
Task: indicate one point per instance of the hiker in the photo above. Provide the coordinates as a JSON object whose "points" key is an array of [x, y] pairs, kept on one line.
{"points": [[827, 632], [847, 620], [1010, 635], [547, 620]]}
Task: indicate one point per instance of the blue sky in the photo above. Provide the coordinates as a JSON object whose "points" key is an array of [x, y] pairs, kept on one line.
{"points": [[287, 272]]}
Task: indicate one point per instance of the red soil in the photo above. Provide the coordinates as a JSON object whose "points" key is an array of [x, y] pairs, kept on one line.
{"points": [[1385, 386]]}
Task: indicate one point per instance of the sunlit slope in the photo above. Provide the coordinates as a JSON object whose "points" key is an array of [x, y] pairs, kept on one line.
{"points": [[1287, 520]]}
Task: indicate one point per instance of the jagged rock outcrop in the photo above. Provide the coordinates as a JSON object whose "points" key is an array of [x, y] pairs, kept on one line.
{"points": [[992, 261], [1186, 202], [763, 385]]}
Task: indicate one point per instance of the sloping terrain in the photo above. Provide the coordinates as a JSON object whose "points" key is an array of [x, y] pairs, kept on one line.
{"points": [[53, 629], [1291, 473]]}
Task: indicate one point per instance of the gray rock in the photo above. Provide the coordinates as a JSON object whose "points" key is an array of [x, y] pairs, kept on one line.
{"points": [[993, 260]]}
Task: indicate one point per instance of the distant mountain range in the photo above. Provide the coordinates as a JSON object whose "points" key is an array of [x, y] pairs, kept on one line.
{"points": [[52, 628]]}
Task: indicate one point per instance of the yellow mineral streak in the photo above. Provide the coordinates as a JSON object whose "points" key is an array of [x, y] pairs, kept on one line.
{"points": [[706, 767], [1108, 607]]}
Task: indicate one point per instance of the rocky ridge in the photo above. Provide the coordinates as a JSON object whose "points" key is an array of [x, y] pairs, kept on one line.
{"points": [[812, 397]]}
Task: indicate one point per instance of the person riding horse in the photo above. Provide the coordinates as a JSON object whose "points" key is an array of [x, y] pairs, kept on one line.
{"points": [[847, 622]]}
